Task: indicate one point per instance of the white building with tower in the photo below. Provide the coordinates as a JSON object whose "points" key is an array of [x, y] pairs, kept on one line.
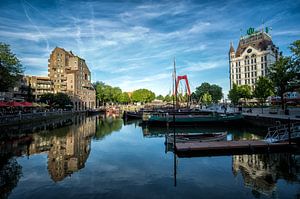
{"points": [[252, 58]]}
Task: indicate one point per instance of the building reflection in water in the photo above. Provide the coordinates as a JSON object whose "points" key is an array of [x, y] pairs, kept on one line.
{"points": [[260, 172], [68, 148]]}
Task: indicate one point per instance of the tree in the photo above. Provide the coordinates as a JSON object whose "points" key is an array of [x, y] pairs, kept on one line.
{"points": [[281, 73], [168, 98], [10, 68], [62, 100], [245, 91], [263, 89], [160, 97], [47, 98], [214, 90], [202, 89], [143, 95], [295, 49], [124, 98], [99, 87], [206, 99], [59, 100], [234, 94], [216, 93]]}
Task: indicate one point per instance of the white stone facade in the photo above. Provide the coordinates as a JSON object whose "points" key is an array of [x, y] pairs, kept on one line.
{"points": [[253, 57]]}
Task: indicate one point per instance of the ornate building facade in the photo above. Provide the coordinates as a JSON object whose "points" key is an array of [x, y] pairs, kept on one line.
{"points": [[252, 58]]}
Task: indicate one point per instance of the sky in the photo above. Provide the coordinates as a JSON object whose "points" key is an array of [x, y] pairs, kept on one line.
{"points": [[132, 44]]}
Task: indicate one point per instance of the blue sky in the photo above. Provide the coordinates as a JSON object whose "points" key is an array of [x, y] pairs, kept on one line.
{"points": [[132, 44]]}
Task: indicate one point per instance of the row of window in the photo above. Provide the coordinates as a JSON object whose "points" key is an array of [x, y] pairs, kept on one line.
{"points": [[247, 81], [248, 61]]}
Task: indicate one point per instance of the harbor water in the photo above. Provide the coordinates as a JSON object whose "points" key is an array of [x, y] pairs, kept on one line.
{"points": [[105, 157]]}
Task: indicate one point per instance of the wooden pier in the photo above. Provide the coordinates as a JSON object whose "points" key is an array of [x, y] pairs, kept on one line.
{"points": [[217, 148]]}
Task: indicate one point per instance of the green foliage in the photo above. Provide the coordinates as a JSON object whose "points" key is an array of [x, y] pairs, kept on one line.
{"points": [[263, 89], [58, 100], [124, 98], [295, 61], [168, 98], [47, 98], [245, 91], [106, 93], [281, 73], [214, 90], [234, 94], [107, 126], [10, 68], [160, 97], [206, 98], [238, 92], [142, 95], [182, 98]]}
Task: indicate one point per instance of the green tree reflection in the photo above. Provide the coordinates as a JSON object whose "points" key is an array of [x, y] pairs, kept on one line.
{"points": [[10, 173], [106, 126]]}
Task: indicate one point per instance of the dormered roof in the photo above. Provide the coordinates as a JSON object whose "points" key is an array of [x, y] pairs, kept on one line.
{"points": [[259, 41]]}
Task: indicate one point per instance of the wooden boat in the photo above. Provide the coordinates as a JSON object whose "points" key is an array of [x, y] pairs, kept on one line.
{"points": [[133, 114], [196, 137], [188, 119]]}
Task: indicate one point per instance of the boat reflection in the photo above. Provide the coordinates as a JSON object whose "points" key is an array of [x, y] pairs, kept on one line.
{"points": [[261, 172]]}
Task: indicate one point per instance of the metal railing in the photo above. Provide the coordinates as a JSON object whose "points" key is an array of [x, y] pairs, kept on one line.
{"points": [[283, 133]]}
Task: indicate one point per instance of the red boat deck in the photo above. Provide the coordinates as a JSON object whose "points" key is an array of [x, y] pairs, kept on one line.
{"points": [[229, 147]]}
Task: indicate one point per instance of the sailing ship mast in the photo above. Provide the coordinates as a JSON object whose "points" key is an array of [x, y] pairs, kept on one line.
{"points": [[174, 89]]}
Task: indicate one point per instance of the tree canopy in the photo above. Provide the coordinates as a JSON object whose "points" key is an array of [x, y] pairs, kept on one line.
{"points": [[10, 68], [206, 98], [263, 89], [142, 95], [281, 73], [234, 94], [59, 100], [213, 90]]}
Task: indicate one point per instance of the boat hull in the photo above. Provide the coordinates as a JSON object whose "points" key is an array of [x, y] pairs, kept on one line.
{"points": [[192, 120]]}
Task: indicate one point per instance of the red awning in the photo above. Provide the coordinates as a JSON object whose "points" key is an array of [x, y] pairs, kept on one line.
{"points": [[3, 104], [26, 103], [14, 104]]}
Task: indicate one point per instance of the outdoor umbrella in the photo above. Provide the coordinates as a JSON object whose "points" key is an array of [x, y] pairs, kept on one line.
{"points": [[14, 104], [26, 104], [3, 104]]}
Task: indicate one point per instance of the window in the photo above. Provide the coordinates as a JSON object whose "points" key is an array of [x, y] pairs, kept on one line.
{"points": [[262, 59], [262, 66]]}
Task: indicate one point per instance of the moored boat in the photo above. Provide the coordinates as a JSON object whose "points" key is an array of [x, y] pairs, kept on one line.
{"points": [[190, 119], [196, 137]]}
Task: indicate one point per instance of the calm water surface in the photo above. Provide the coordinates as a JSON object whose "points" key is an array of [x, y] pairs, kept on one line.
{"points": [[97, 157]]}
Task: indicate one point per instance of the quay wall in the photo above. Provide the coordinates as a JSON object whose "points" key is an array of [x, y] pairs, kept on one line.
{"points": [[10, 120]]}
